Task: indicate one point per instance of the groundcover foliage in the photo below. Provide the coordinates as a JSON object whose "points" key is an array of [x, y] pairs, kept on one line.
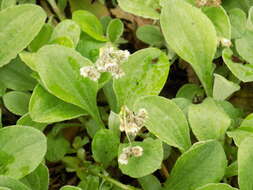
{"points": [[126, 95]]}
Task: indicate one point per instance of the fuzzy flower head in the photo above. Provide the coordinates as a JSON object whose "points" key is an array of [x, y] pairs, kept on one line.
{"points": [[90, 72], [225, 42], [110, 60], [211, 3], [128, 152], [130, 122]]}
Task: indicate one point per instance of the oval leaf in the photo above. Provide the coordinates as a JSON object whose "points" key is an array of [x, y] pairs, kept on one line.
{"points": [[27, 20], [166, 120], [17, 144], [216, 186], [192, 171], [192, 36], [115, 29]]}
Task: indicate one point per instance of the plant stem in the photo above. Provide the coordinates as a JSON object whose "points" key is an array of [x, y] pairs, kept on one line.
{"points": [[117, 183], [56, 9]]}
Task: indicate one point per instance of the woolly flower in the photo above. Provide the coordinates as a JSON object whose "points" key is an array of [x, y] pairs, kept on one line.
{"points": [[131, 123], [90, 72], [201, 3], [225, 42], [128, 152], [110, 60]]}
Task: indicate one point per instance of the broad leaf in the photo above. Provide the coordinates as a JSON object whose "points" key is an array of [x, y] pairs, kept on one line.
{"points": [[46, 108], [245, 167], [147, 163], [89, 24], [114, 30], [150, 182], [17, 144], [192, 171], [10, 184], [69, 29], [192, 36], [216, 186], [59, 69], [17, 102], [166, 121], [38, 179], [146, 72], [209, 125], [223, 88], [27, 20], [146, 9], [190, 91], [242, 72], [26, 120], [105, 146], [244, 46], [238, 22]]}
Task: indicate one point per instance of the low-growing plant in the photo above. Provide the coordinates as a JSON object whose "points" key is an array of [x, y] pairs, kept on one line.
{"points": [[126, 94]]}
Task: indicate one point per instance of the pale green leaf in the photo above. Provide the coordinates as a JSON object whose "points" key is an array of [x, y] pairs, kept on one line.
{"points": [[7, 3], [203, 163], [244, 46], [26, 120], [245, 167], [69, 187], [17, 102], [22, 150], [18, 27], [216, 186], [209, 125], [146, 72], [143, 8], [192, 36], [242, 72], [11, 184], [114, 30], [223, 88], [150, 160], [166, 121], [46, 108], [238, 22]]}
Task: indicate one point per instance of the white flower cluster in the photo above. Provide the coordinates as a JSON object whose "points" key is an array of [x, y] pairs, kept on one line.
{"points": [[202, 3], [225, 42], [110, 60], [128, 152], [130, 122]]}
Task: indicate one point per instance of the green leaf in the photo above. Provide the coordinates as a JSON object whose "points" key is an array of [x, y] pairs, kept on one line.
{"points": [[146, 72], [220, 20], [26, 120], [150, 34], [57, 147], [192, 171], [250, 19], [238, 22], [29, 59], [18, 143], [27, 20], [42, 38], [232, 170], [242, 72], [192, 36], [223, 88], [183, 104], [190, 91], [244, 46], [209, 125], [16, 76], [143, 8], [245, 167], [17, 102], [245, 130], [89, 24], [7, 3], [150, 182], [105, 146], [166, 121], [69, 29], [114, 30], [59, 69], [69, 187], [12, 184], [38, 179], [46, 108], [216, 186], [147, 163]]}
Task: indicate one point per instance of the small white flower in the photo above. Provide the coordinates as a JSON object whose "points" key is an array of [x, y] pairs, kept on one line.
{"points": [[225, 42], [137, 151], [123, 159], [90, 72]]}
